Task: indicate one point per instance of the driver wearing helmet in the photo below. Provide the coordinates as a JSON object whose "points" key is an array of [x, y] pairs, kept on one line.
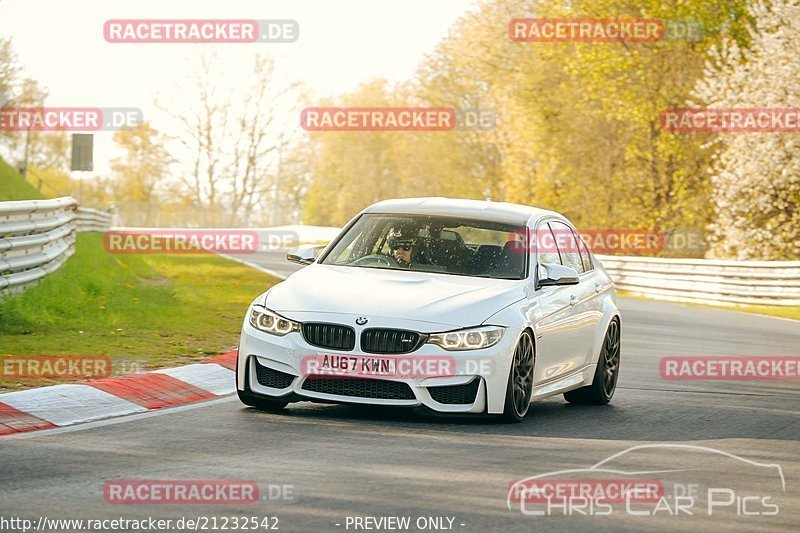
{"points": [[403, 243]]}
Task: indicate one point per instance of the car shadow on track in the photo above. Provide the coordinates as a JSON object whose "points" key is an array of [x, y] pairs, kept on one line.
{"points": [[650, 420]]}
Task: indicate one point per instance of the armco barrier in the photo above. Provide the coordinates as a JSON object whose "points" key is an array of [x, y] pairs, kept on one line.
{"points": [[38, 236], [706, 280], [89, 219]]}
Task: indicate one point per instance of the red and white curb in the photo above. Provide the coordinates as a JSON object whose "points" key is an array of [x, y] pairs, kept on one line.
{"points": [[64, 405]]}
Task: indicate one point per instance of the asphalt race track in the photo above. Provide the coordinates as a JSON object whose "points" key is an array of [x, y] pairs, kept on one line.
{"points": [[342, 461]]}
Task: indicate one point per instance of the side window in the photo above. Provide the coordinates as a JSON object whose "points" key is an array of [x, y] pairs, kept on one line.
{"points": [[546, 246], [586, 258], [567, 246]]}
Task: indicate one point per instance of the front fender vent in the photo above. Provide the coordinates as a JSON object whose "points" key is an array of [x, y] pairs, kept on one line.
{"points": [[269, 377], [456, 394]]}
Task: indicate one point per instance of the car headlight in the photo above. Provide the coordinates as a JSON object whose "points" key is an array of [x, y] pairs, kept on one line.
{"points": [[265, 320], [468, 339]]}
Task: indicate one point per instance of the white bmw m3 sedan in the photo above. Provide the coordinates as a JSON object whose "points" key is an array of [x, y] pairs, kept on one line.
{"points": [[459, 306]]}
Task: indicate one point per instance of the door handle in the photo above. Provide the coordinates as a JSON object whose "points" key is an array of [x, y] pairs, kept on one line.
{"points": [[573, 300], [598, 287]]}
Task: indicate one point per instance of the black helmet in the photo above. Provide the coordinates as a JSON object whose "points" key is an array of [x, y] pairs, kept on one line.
{"points": [[402, 235]]}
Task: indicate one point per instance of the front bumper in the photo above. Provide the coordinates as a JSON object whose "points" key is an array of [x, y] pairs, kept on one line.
{"points": [[482, 372]]}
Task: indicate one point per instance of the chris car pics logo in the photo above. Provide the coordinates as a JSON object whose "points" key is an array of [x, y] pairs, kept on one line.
{"points": [[681, 481]]}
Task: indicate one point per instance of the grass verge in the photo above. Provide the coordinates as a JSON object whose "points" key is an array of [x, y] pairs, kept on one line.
{"points": [[143, 311], [14, 187]]}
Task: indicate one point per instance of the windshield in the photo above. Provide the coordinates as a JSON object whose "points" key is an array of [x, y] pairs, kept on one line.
{"points": [[425, 243]]}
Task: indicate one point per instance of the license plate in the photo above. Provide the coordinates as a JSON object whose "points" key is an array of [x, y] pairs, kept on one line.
{"points": [[408, 367], [356, 365]]}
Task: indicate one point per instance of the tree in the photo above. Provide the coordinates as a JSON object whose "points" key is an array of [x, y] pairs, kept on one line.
{"points": [[260, 141], [756, 176], [201, 137], [577, 124], [233, 136], [353, 169], [295, 173], [44, 153], [142, 169], [9, 71]]}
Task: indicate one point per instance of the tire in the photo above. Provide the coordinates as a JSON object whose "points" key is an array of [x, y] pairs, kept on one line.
{"points": [[605, 377], [263, 404], [520, 380], [259, 402]]}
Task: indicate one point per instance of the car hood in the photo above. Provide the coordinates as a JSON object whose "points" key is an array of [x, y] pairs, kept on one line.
{"points": [[458, 301]]}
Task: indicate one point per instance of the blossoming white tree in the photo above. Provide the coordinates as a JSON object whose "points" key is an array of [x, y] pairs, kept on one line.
{"points": [[756, 176]]}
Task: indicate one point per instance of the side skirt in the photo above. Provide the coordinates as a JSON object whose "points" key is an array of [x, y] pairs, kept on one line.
{"points": [[573, 381]]}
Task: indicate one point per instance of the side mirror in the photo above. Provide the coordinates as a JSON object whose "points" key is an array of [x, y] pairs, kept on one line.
{"points": [[304, 255], [557, 275]]}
